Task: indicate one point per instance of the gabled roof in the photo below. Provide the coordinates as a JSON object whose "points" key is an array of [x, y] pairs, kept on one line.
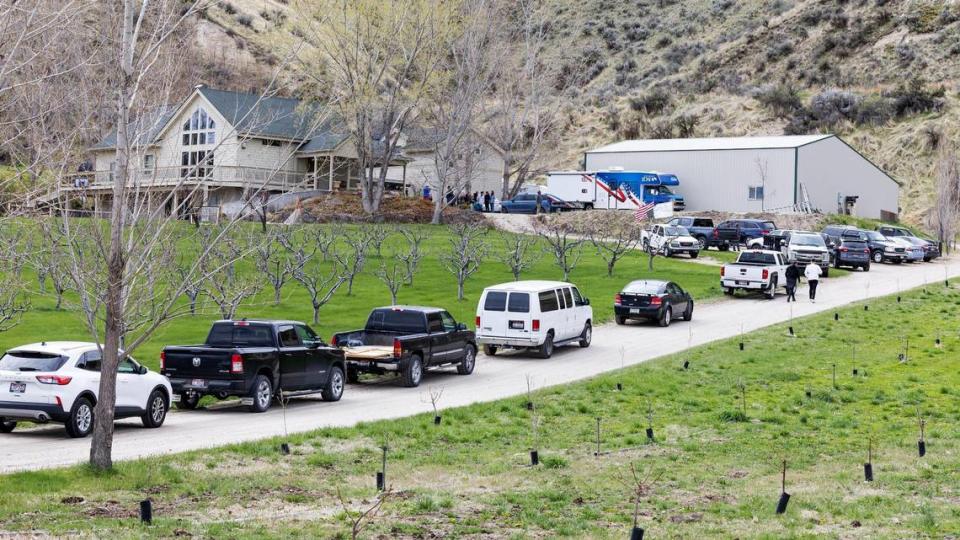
{"points": [[152, 124], [712, 143]]}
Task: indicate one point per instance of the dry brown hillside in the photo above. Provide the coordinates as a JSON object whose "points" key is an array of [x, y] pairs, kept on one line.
{"points": [[881, 73]]}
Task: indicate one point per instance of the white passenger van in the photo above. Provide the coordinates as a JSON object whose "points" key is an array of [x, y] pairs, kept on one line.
{"points": [[533, 315]]}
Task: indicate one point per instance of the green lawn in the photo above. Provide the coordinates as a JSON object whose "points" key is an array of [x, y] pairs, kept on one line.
{"points": [[713, 469], [432, 286]]}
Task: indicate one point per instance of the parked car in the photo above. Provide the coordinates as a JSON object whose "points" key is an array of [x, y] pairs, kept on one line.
{"points": [[533, 315], [835, 232], [853, 252], [805, 248], [892, 231], [931, 250], [670, 240], [883, 249], [757, 270], [254, 360], [660, 301], [407, 340], [699, 227], [914, 252], [526, 203], [740, 231], [59, 381]]}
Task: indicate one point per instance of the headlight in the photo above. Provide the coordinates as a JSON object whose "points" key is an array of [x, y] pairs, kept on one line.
{"points": [[889, 250]]}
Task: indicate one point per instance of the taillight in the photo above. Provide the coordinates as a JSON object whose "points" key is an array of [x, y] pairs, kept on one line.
{"points": [[656, 301], [397, 349], [163, 359], [236, 364], [766, 273], [716, 233], [59, 380], [333, 340], [844, 250], [866, 251], [617, 299], [765, 231], [536, 325], [721, 271], [478, 321]]}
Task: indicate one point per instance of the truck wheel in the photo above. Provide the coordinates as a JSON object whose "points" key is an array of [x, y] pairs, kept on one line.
{"points": [[866, 267], [702, 240], [465, 367], [413, 371], [826, 271], [80, 422], [353, 375], [7, 427], [667, 252], [490, 350], [772, 290], [877, 256], [156, 410], [688, 313], [694, 254], [188, 401], [586, 336], [333, 391], [621, 319], [728, 291], [898, 261], [667, 316], [546, 350], [724, 247], [262, 394]]}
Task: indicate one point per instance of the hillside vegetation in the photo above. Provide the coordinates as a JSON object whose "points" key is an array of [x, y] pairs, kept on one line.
{"points": [[881, 73]]}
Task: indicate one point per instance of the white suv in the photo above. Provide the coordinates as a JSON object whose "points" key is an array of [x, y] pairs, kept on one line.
{"points": [[59, 381]]}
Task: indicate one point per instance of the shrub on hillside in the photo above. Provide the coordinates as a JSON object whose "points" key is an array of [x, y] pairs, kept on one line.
{"points": [[875, 111], [779, 49], [719, 6], [611, 38], [831, 107], [652, 103], [781, 99], [912, 97], [245, 20]]}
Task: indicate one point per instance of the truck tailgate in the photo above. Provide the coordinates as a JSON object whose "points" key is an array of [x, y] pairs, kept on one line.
{"points": [[368, 352], [743, 272], [199, 362]]}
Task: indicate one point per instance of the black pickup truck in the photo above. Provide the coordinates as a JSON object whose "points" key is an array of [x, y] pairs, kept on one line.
{"points": [[254, 359], [407, 340]]}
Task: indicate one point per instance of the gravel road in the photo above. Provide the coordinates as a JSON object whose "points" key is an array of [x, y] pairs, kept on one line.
{"points": [[494, 378]]}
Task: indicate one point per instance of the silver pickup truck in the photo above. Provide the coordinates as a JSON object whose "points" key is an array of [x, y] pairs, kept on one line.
{"points": [[754, 270]]}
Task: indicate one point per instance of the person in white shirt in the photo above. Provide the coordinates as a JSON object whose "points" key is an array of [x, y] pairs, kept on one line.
{"points": [[812, 273]]}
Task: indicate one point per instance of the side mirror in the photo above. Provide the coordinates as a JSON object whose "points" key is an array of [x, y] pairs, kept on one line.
{"points": [[143, 370], [586, 301], [461, 327]]}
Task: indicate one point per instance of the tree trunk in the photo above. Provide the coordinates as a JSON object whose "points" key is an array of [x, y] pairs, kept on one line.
{"points": [[276, 293], [610, 264], [505, 193], [438, 203], [316, 314]]}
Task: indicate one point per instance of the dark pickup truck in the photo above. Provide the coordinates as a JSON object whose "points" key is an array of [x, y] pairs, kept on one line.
{"points": [[254, 359], [700, 228], [734, 232], [407, 340]]}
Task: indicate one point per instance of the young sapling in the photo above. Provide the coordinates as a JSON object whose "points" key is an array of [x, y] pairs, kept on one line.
{"points": [[784, 496]]}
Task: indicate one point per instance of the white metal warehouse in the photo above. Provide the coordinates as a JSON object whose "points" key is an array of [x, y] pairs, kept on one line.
{"points": [[753, 174]]}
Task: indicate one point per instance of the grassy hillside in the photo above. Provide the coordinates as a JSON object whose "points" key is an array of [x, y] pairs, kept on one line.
{"points": [[881, 73], [712, 470]]}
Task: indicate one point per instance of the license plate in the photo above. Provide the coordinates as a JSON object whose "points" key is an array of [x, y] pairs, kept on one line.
{"points": [[634, 311], [198, 383], [742, 282], [18, 387], [516, 325], [175, 398]]}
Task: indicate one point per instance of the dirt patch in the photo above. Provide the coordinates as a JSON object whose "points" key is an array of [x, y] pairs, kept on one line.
{"points": [[345, 207]]}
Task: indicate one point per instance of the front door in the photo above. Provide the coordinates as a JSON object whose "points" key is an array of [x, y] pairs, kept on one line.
{"points": [[130, 392], [293, 359], [318, 358], [440, 339]]}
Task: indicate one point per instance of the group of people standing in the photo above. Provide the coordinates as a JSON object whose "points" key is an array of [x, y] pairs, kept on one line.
{"points": [[486, 200], [812, 272]]}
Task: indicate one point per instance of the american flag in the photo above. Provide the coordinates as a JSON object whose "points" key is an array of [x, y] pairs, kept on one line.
{"points": [[641, 213]]}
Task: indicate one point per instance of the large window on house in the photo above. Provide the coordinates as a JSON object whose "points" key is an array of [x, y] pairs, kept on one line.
{"points": [[199, 129], [196, 164]]}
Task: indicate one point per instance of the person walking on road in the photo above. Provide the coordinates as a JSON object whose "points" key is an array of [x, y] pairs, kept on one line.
{"points": [[539, 201], [793, 276], [812, 273]]}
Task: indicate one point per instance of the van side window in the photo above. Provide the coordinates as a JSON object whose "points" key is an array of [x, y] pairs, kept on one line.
{"points": [[577, 299], [548, 301], [563, 305], [519, 303], [495, 301], [568, 297]]}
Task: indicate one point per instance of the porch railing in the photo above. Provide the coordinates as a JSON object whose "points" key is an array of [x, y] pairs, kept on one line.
{"points": [[167, 177]]}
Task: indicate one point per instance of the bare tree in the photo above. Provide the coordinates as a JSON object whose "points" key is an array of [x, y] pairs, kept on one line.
{"points": [[392, 273], [355, 258], [192, 288], [467, 250], [467, 76], [226, 288], [614, 235], [320, 280], [271, 260], [762, 172], [518, 252], [375, 235], [947, 211], [522, 117], [12, 303], [377, 61], [359, 519], [564, 242], [51, 261], [410, 257]]}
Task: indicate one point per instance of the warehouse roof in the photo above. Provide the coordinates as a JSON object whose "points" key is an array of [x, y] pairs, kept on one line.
{"points": [[712, 143]]}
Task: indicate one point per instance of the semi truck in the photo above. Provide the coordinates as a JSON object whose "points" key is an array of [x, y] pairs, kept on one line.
{"points": [[615, 189]]}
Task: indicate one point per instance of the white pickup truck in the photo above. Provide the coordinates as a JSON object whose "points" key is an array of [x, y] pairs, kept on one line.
{"points": [[757, 270], [670, 240]]}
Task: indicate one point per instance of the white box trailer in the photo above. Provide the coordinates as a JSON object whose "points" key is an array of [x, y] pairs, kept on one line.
{"points": [[586, 188]]}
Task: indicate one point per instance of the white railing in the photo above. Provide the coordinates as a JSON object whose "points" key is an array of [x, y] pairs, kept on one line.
{"points": [[166, 177]]}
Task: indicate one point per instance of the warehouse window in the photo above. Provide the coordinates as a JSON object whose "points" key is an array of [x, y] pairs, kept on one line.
{"points": [[755, 193]]}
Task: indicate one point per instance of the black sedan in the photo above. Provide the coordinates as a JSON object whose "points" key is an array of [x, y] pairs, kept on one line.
{"points": [[660, 301]]}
